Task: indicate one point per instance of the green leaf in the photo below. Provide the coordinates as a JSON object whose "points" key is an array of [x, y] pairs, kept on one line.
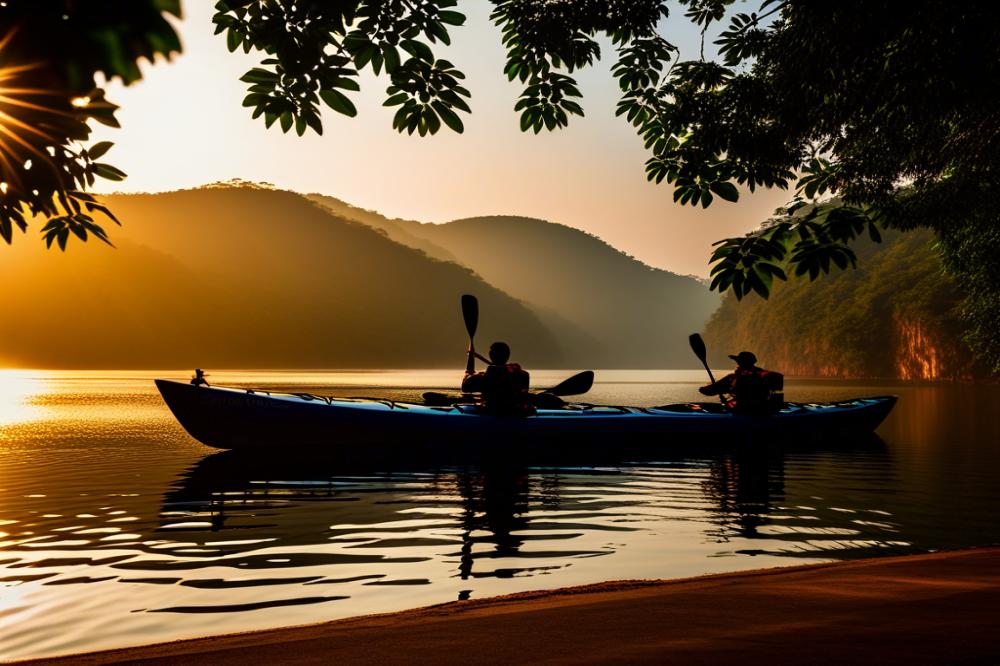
{"points": [[526, 119], [418, 50], [451, 18], [259, 75], [315, 123], [432, 120], [99, 149], [364, 55], [233, 40], [449, 117], [396, 99], [725, 190], [391, 57], [874, 234], [109, 172], [339, 102]]}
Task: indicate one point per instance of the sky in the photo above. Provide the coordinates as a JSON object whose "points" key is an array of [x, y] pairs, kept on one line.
{"points": [[183, 126]]}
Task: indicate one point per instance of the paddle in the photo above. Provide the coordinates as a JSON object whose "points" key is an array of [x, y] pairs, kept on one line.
{"points": [[575, 385], [470, 312], [698, 347]]}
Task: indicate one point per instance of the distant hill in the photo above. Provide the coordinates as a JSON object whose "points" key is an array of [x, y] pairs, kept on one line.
{"points": [[242, 277], [399, 230], [895, 316], [614, 309]]}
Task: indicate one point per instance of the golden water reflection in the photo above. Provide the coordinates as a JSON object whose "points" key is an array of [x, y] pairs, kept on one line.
{"points": [[117, 528], [20, 393]]}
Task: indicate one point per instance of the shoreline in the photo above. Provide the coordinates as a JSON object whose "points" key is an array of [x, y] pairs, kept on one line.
{"points": [[931, 608]]}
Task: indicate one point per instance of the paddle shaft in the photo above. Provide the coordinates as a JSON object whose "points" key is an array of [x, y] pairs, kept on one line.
{"points": [[711, 377], [470, 313], [470, 364]]}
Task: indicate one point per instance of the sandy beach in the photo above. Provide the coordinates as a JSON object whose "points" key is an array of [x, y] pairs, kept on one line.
{"points": [[936, 608]]}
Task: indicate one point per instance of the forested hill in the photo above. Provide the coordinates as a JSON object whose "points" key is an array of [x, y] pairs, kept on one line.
{"points": [[895, 316], [243, 277], [597, 300], [405, 232]]}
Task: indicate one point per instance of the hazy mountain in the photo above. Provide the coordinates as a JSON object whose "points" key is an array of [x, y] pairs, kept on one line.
{"points": [[406, 232], [616, 310], [896, 315], [240, 277]]}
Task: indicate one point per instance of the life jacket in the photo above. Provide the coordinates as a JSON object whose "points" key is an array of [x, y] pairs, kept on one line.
{"points": [[505, 388], [517, 376], [757, 391]]}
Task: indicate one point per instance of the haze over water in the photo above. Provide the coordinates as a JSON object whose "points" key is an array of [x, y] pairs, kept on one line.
{"points": [[116, 528]]}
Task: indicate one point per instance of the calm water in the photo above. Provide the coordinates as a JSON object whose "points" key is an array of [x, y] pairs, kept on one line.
{"points": [[116, 528]]}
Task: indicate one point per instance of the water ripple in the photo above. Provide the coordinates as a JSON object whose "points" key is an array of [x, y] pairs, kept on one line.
{"points": [[111, 517]]}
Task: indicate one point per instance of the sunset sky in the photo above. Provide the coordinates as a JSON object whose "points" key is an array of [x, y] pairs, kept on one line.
{"points": [[184, 126]]}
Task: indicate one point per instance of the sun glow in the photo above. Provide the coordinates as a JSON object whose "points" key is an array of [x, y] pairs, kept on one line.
{"points": [[19, 390], [22, 110]]}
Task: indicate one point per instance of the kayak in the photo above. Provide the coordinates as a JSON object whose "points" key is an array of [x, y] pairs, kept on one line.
{"points": [[238, 418]]}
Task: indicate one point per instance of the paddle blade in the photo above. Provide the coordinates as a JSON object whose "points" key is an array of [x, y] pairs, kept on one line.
{"points": [[698, 347], [575, 385], [470, 312]]}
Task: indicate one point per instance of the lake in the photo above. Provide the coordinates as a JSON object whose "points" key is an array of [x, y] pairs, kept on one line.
{"points": [[116, 528]]}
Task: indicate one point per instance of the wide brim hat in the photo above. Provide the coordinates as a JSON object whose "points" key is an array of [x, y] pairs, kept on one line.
{"points": [[744, 358]]}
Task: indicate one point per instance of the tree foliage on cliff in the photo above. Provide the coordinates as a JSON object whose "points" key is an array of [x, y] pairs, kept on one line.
{"points": [[896, 316]]}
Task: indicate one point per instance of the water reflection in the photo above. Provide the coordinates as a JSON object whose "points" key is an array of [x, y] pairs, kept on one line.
{"points": [[19, 391], [235, 535], [744, 487], [116, 528], [755, 510], [507, 519], [468, 513]]}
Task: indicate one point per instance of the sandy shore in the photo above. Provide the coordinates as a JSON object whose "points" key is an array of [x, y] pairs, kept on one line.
{"points": [[939, 608]]}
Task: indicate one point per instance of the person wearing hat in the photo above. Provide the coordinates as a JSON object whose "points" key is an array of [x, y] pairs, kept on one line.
{"points": [[199, 378], [749, 389]]}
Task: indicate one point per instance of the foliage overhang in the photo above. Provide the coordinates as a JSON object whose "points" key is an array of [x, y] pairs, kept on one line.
{"points": [[890, 112]]}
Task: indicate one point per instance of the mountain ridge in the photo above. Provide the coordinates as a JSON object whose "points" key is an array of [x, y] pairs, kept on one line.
{"points": [[248, 278], [618, 308]]}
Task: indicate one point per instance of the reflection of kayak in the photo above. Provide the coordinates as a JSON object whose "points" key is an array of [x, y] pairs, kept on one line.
{"points": [[231, 418]]}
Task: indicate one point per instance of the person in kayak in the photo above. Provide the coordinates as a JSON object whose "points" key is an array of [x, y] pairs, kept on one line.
{"points": [[750, 390], [199, 378], [504, 386]]}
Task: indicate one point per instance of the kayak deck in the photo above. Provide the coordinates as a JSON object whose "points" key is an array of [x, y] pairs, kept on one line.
{"points": [[226, 417]]}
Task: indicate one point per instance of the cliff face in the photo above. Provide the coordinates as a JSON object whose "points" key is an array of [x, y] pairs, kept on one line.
{"points": [[895, 316], [924, 351]]}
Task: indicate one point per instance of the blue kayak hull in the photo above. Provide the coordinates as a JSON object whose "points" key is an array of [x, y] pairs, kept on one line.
{"points": [[232, 418]]}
